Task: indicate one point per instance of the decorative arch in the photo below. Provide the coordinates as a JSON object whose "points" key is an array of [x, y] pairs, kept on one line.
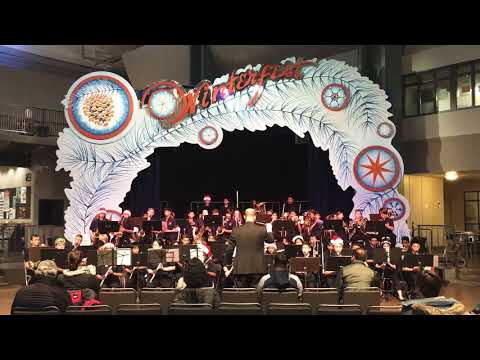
{"points": [[111, 132]]}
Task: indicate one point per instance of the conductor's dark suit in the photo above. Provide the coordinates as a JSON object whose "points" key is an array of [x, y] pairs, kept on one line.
{"points": [[249, 259]]}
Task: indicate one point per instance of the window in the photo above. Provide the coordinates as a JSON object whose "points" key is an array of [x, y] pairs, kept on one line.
{"points": [[444, 89], [464, 87], [472, 218], [411, 96]]}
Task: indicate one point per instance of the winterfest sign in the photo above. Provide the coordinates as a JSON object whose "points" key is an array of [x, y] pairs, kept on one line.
{"points": [[111, 132]]}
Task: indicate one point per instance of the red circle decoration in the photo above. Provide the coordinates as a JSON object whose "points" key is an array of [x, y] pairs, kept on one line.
{"points": [[201, 134], [86, 133], [397, 206], [166, 86], [376, 168], [330, 96]]}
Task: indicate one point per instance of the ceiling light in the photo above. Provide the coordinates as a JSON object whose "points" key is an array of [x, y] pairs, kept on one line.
{"points": [[451, 175]]}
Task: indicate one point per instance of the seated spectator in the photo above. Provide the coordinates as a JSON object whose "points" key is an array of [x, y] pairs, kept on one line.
{"points": [[357, 274], [79, 277], [59, 243], [429, 285], [191, 287], [280, 277], [46, 291]]}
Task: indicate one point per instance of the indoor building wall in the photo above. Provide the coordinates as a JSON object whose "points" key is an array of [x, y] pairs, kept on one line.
{"points": [[454, 199], [34, 89]]}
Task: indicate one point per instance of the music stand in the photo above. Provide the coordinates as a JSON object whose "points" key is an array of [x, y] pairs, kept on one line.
{"points": [[34, 253], [264, 219], [269, 261], [182, 224], [106, 227], [172, 255], [333, 225], [188, 252], [334, 263], [218, 250], [59, 256], [156, 256], [150, 225], [137, 222], [105, 257], [213, 220], [283, 227], [292, 251], [91, 256], [373, 227], [375, 217], [305, 265], [425, 260]]}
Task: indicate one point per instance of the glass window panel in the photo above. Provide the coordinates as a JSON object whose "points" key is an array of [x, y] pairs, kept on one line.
{"points": [[472, 227], [410, 79], [443, 73], [443, 95], [471, 195], [427, 98], [464, 91], [477, 89], [411, 97], [463, 69], [425, 77], [471, 212]]}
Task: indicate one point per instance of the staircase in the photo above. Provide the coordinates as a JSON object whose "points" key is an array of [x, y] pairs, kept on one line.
{"points": [[471, 272]]}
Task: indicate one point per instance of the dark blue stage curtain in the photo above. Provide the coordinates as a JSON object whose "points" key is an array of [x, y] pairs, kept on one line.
{"points": [[323, 191]]}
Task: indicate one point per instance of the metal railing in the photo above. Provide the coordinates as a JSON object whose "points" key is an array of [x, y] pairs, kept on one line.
{"points": [[275, 206], [31, 121], [436, 235]]}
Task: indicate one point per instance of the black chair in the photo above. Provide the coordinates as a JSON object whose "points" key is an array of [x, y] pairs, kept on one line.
{"points": [[317, 296], [162, 296], [49, 310], [116, 296], [190, 309], [364, 297], [89, 310], [239, 309], [139, 309], [289, 309], [385, 310], [284, 296], [240, 295], [325, 309]]}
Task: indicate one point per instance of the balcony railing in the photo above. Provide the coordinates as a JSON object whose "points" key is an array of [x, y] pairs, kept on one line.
{"points": [[31, 121]]}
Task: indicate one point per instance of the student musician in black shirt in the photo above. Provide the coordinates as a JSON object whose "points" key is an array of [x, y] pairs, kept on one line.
{"points": [[237, 219], [388, 226], [387, 269], [411, 266], [226, 208], [207, 199], [169, 226], [371, 246], [193, 225], [126, 228]]}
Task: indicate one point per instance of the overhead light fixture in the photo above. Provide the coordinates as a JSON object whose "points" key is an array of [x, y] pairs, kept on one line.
{"points": [[451, 175]]}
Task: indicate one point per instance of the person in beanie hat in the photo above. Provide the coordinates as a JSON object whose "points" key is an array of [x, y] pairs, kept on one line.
{"points": [[45, 291]]}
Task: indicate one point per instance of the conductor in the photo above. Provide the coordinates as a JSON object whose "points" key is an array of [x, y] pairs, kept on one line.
{"points": [[248, 262]]}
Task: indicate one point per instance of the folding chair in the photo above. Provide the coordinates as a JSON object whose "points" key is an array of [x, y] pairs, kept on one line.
{"points": [[89, 310], [317, 296], [324, 309], [116, 296], [49, 310], [139, 309], [239, 309], [190, 309], [289, 309], [240, 295], [385, 310], [364, 297], [162, 296]]}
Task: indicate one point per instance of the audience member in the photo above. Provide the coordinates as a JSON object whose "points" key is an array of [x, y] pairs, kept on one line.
{"points": [[279, 277], [357, 274]]}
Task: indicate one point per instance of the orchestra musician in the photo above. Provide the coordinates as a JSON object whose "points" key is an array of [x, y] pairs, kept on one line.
{"points": [[207, 199], [226, 208], [371, 246], [357, 229], [126, 229], [315, 224], [386, 269], [169, 226], [101, 216], [337, 249], [290, 205], [237, 219], [193, 225], [388, 226], [410, 266]]}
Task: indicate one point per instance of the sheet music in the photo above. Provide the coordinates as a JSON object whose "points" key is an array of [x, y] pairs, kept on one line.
{"points": [[124, 257]]}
